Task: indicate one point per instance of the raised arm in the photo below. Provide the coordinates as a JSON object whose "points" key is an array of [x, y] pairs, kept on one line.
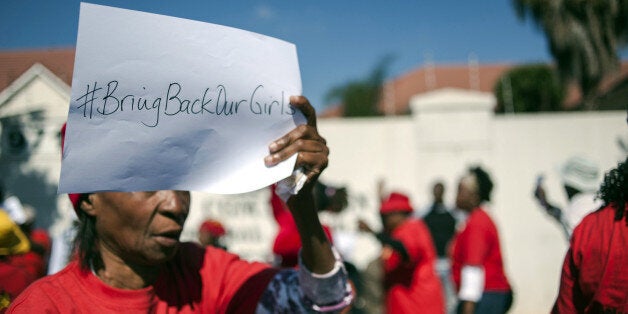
{"points": [[312, 153], [322, 278], [552, 210]]}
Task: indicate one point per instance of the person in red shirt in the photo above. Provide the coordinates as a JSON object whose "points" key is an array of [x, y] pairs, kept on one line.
{"points": [[210, 233], [15, 273], [35, 261], [287, 242], [408, 255], [477, 266], [130, 259], [594, 277]]}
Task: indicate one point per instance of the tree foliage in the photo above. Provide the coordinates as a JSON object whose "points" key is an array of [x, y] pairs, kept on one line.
{"points": [[583, 36], [529, 88], [359, 97]]}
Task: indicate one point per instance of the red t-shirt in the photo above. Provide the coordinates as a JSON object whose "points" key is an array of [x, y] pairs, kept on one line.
{"points": [[413, 286], [197, 280], [595, 271], [477, 244]]}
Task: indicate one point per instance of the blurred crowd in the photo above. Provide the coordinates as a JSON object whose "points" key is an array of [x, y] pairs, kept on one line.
{"points": [[447, 258], [24, 251], [444, 258]]}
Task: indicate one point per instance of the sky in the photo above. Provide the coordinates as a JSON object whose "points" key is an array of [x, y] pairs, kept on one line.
{"points": [[337, 41]]}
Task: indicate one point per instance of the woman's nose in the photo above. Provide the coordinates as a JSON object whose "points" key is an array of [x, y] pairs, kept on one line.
{"points": [[175, 203]]}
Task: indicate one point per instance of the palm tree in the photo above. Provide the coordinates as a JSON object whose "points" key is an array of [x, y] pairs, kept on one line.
{"points": [[583, 36], [359, 97], [529, 88]]}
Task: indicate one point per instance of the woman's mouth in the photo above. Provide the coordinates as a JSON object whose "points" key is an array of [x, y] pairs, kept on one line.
{"points": [[170, 238]]}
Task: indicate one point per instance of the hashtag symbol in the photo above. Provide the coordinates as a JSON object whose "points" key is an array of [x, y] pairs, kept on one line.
{"points": [[88, 100]]}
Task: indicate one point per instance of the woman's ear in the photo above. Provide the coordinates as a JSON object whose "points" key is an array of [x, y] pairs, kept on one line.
{"points": [[87, 204]]}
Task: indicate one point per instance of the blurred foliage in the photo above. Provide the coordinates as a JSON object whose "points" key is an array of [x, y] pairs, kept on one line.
{"points": [[583, 35], [359, 98], [529, 88]]}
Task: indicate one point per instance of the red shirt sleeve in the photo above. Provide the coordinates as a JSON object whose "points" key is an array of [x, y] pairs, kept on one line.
{"points": [[477, 243]]}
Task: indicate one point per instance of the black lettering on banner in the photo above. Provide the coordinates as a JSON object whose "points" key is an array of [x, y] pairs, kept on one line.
{"points": [[94, 103], [108, 96], [88, 100], [223, 105]]}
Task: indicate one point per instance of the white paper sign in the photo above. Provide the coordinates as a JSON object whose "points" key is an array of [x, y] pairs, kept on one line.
{"points": [[166, 103]]}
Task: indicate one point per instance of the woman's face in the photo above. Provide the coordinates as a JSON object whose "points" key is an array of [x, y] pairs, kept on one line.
{"points": [[467, 198], [139, 227], [390, 221]]}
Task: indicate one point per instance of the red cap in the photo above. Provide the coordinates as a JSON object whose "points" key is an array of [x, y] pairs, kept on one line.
{"points": [[74, 198], [41, 237], [396, 202], [214, 228]]}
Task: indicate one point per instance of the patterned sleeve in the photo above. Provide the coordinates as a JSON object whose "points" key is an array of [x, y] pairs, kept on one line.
{"points": [[301, 291]]}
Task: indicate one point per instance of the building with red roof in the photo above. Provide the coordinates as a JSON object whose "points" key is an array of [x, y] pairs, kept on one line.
{"points": [[398, 91]]}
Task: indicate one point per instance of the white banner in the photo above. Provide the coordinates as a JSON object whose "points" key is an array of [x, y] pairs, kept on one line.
{"points": [[166, 103]]}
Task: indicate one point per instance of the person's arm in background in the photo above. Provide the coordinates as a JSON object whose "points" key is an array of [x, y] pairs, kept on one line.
{"points": [[552, 210], [471, 287], [386, 240], [381, 190]]}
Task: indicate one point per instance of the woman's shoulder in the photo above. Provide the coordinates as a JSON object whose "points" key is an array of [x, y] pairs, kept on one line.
{"points": [[481, 215], [595, 221], [411, 232], [191, 252], [47, 291], [69, 273], [479, 221]]}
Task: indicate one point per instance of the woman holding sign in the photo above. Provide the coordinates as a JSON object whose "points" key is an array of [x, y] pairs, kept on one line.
{"points": [[130, 258]]}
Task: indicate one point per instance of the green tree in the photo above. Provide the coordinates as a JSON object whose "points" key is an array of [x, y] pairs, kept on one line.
{"points": [[583, 36], [359, 98], [529, 88]]}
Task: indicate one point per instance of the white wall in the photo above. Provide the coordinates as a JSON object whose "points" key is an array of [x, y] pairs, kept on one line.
{"points": [[516, 149]]}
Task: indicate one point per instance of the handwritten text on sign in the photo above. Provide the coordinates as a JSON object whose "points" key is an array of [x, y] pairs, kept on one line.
{"points": [[105, 101], [166, 103]]}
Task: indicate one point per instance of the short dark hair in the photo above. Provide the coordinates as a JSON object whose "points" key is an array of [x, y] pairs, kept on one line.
{"points": [[613, 189], [485, 184]]}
